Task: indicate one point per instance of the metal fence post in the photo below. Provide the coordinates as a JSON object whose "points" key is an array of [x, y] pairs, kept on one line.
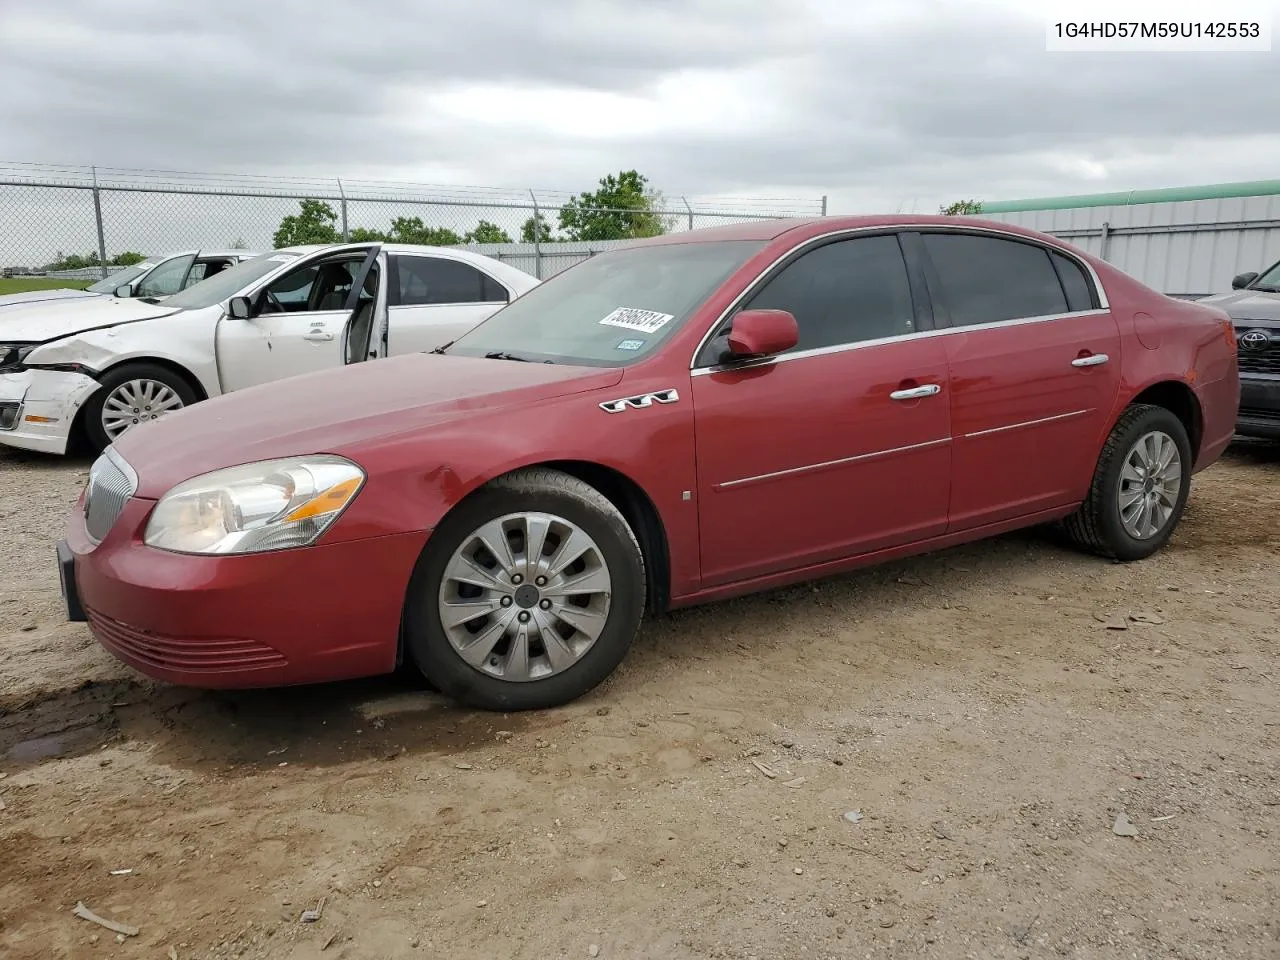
{"points": [[824, 204], [97, 216], [537, 237], [690, 209], [1104, 245], [346, 234]]}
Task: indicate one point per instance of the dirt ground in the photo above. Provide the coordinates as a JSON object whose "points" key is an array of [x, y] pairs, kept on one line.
{"points": [[970, 705]]}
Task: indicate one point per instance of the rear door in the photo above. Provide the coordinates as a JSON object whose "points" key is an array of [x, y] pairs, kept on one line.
{"points": [[435, 299], [1034, 358], [838, 447]]}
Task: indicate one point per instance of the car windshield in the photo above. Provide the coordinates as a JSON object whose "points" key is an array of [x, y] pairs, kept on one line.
{"points": [[1269, 282], [227, 283], [611, 310], [120, 278]]}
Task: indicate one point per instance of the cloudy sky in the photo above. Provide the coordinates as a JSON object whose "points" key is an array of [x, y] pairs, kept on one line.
{"points": [[881, 105]]}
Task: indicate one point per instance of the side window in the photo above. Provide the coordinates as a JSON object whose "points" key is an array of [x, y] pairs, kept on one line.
{"points": [[433, 280], [312, 288], [844, 292], [166, 279], [199, 271], [1076, 285], [989, 279]]}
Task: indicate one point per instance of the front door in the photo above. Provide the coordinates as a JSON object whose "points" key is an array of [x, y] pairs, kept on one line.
{"points": [[840, 446], [308, 319], [1035, 372]]}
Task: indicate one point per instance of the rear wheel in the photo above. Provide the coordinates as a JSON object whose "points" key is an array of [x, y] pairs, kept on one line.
{"points": [[131, 394], [1139, 488], [528, 595]]}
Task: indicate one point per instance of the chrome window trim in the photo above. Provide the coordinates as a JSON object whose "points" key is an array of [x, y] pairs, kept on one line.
{"points": [[1103, 307], [807, 468], [880, 341]]}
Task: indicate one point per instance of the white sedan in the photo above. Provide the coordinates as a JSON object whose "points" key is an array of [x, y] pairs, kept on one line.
{"points": [[153, 279], [97, 367]]}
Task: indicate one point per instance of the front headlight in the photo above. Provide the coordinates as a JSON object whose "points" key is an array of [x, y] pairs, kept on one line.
{"points": [[12, 354], [271, 505]]}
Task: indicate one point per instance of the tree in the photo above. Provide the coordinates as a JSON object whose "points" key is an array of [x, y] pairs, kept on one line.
{"points": [[316, 223], [365, 235], [622, 207], [961, 208], [535, 230], [127, 259], [413, 230], [486, 232]]}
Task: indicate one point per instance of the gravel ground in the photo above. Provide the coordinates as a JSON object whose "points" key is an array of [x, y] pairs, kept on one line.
{"points": [[973, 707]]}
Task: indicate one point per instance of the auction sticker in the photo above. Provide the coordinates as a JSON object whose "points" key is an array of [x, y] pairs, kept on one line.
{"points": [[646, 321], [282, 258], [630, 345]]}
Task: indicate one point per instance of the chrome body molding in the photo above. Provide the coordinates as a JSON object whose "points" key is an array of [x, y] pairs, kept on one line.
{"points": [[640, 401]]}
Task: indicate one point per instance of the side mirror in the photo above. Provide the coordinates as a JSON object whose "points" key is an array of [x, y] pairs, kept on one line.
{"points": [[762, 333], [240, 308], [124, 290], [1242, 280]]}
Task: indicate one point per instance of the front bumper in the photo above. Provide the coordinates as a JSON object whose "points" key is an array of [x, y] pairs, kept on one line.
{"points": [[329, 612], [1259, 406], [39, 407]]}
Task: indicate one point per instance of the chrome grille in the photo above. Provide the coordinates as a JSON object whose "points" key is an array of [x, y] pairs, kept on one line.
{"points": [[111, 484]]}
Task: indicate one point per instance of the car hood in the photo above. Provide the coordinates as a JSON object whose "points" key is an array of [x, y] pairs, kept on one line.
{"points": [[334, 411], [1247, 304], [45, 320], [42, 296]]}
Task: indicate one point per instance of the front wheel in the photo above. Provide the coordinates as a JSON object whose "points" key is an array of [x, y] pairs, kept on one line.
{"points": [[1139, 488], [528, 594], [132, 394]]}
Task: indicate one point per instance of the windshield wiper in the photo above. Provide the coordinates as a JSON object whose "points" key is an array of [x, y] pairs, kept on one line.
{"points": [[443, 347], [501, 355], [1265, 288]]}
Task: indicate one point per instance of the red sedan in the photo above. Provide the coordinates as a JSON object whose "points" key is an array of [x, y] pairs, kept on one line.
{"points": [[697, 416]]}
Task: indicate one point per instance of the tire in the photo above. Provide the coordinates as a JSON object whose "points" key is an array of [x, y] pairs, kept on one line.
{"points": [[1098, 526], [504, 606], [179, 394]]}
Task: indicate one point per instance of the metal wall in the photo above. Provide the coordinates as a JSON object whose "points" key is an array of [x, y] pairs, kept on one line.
{"points": [[1186, 248]]}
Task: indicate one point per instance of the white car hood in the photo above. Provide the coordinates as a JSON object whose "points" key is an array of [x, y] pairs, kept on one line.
{"points": [[46, 320], [42, 296]]}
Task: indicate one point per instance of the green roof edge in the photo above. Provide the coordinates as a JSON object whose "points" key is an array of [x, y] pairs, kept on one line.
{"points": [[1218, 191]]}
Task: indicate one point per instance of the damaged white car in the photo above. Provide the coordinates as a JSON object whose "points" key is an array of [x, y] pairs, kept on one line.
{"points": [[96, 367], [153, 279]]}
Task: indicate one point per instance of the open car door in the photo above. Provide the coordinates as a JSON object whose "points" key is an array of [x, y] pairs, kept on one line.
{"points": [[366, 328]]}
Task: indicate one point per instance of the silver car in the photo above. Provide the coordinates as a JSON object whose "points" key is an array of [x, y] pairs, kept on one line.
{"points": [[150, 279]]}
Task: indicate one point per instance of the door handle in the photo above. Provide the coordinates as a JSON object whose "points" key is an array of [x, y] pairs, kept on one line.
{"points": [[1092, 360], [915, 393], [317, 336]]}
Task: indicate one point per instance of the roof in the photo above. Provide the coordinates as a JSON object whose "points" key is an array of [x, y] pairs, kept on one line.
{"points": [[1218, 191], [505, 272], [772, 229]]}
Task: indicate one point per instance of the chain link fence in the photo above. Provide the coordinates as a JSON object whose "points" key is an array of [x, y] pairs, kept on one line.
{"points": [[70, 221]]}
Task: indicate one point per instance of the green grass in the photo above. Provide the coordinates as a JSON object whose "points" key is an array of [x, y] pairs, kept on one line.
{"points": [[23, 284]]}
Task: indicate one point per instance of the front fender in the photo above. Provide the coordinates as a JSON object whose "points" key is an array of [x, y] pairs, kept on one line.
{"points": [[103, 348], [414, 481]]}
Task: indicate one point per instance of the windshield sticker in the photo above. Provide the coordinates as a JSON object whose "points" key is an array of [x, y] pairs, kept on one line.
{"points": [[646, 321], [630, 345], [144, 265], [282, 258]]}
